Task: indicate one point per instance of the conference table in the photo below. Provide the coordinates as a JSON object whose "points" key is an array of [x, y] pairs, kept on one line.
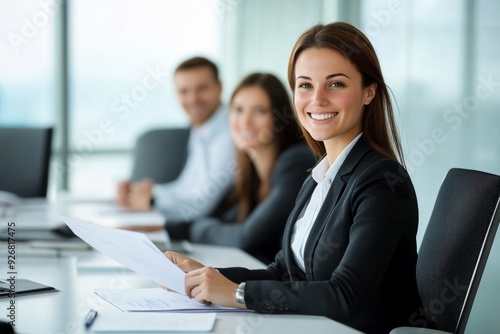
{"points": [[77, 271]]}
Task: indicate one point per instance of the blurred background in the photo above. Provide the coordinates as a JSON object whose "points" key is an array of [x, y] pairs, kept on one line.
{"points": [[100, 72]]}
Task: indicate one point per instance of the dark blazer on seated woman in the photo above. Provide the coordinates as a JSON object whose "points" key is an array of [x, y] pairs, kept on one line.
{"points": [[360, 266], [260, 234]]}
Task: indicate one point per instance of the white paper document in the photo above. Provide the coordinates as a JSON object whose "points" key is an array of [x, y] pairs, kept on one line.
{"points": [[156, 299], [153, 322], [131, 249]]}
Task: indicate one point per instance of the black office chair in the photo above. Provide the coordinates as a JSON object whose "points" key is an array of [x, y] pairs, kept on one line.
{"points": [[6, 328], [24, 160], [160, 154], [454, 250]]}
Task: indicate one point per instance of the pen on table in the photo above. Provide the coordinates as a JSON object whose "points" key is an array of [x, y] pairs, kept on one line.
{"points": [[89, 320]]}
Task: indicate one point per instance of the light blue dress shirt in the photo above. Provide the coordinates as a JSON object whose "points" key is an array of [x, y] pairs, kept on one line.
{"points": [[207, 174]]}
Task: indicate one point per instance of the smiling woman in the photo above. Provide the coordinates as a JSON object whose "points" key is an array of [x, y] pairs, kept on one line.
{"points": [[353, 79], [349, 246], [252, 119], [330, 98], [263, 127]]}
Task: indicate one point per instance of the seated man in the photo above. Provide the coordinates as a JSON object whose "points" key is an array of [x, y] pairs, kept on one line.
{"points": [[209, 169]]}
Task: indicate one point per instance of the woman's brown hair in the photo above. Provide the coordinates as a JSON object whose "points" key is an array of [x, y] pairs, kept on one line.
{"points": [[378, 124], [286, 132]]}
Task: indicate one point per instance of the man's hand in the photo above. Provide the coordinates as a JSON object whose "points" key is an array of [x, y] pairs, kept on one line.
{"points": [[122, 191], [143, 228], [135, 195]]}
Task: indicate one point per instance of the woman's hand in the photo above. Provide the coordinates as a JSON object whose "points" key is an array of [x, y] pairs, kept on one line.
{"points": [[209, 286], [185, 263], [205, 284]]}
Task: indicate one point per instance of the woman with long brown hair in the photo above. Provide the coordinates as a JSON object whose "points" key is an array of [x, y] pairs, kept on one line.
{"points": [[349, 246]]}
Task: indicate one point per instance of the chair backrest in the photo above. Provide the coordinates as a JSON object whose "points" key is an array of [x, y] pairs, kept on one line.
{"points": [[462, 220], [160, 154], [480, 312], [24, 160]]}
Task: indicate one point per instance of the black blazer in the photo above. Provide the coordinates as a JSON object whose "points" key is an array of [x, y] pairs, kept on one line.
{"points": [[261, 233], [360, 256]]}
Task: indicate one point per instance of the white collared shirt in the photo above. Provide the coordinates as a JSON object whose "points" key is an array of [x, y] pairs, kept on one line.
{"points": [[207, 174], [324, 176]]}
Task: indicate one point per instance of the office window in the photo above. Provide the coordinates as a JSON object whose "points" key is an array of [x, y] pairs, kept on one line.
{"points": [[258, 35], [28, 71], [437, 56], [485, 93], [485, 118], [27, 66], [122, 56]]}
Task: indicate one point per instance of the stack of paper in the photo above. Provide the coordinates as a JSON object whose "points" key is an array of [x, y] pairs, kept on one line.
{"points": [[156, 299]]}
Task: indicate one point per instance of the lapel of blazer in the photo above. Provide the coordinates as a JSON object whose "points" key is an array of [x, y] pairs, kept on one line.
{"points": [[304, 195], [360, 149]]}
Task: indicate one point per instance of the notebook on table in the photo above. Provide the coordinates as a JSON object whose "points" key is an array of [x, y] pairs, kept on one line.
{"points": [[21, 286]]}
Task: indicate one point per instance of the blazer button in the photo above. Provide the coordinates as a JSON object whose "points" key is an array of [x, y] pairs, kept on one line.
{"points": [[268, 306]]}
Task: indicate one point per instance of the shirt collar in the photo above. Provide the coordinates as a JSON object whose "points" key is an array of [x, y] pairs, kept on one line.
{"points": [[214, 124], [322, 170]]}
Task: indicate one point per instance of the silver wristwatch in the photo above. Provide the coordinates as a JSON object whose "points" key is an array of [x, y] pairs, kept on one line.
{"points": [[240, 293]]}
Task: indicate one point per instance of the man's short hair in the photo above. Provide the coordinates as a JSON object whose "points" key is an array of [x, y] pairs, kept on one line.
{"points": [[198, 62]]}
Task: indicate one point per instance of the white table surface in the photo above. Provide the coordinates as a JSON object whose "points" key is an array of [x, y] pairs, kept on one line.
{"points": [[77, 273]]}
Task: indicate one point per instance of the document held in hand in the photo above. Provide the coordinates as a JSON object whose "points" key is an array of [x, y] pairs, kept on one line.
{"points": [[131, 249]]}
